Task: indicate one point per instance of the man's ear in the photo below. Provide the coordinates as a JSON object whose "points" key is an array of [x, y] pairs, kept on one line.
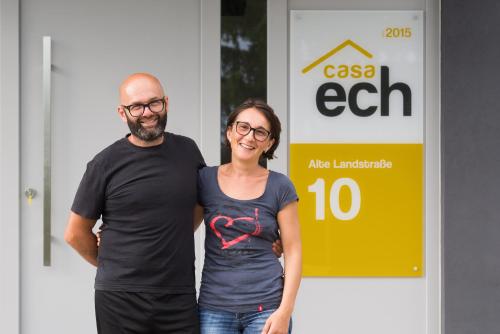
{"points": [[121, 112], [166, 103]]}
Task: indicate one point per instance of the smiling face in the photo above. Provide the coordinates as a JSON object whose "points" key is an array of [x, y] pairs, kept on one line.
{"points": [[140, 89], [246, 148]]}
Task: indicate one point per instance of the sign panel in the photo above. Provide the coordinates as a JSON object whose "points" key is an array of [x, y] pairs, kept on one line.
{"points": [[356, 140]]}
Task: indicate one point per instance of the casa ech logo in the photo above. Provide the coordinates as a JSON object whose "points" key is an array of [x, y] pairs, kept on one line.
{"points": [[334, 96], [356, 77]]}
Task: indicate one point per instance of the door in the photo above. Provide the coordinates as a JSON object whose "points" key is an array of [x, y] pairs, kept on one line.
{"points": [[95, 45]]}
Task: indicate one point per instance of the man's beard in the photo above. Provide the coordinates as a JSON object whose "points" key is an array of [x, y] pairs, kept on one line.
{"points": [[148, 135]]}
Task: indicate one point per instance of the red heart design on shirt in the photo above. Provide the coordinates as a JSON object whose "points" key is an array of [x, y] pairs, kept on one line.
{"points": [[230, 222]]}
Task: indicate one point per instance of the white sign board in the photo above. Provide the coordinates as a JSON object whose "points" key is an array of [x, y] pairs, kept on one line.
{"points": [[356, 140], [379, 54]]}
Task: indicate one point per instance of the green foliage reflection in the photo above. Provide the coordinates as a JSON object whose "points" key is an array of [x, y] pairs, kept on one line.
{"points": [[243, 56]]}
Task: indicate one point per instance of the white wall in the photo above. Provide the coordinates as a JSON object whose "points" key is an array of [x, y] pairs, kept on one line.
{"points": [[369, 305], [9, 166]]}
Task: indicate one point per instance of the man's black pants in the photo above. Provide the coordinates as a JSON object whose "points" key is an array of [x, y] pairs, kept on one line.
{"points": [[119, 312]]}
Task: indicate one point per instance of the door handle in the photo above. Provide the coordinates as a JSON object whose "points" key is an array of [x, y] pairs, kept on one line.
{"points": [[47, 148]]}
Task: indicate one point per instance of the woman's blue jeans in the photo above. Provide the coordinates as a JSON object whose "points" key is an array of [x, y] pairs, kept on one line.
{"points": [[222, 322]]}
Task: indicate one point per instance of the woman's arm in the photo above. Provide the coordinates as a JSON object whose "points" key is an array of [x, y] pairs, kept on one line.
{"points": [[288, 220]]}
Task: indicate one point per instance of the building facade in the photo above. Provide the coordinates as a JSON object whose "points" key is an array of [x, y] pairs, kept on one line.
{"points": [[68, 58]]}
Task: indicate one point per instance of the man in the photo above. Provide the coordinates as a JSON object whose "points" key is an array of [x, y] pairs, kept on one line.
{"points": [[144, 188]]}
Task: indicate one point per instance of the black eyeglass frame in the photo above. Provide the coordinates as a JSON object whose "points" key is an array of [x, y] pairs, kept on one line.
{"points": [[252, 129], [146, 105]]}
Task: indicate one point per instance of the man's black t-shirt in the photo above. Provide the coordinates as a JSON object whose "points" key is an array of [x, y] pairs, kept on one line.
{"points": [[146, 197]]}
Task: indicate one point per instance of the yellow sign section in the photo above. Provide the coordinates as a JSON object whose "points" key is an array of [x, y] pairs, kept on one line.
{"points": [[360, 208]]}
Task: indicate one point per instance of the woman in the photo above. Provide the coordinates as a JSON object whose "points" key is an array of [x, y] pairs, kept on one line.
{"points": [[246, 207]]}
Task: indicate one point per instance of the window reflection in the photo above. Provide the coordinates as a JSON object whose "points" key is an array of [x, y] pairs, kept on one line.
{"points": [[243, 57]]}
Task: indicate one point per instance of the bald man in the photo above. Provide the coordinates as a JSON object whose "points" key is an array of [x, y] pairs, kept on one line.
{"points": [[143, 187]]}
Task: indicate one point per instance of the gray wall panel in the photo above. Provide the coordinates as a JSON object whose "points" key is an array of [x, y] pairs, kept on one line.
{"points": [[471, 184]]}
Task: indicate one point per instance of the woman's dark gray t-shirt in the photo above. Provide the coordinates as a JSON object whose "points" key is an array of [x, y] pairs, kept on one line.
{"points": [[241, 272]]}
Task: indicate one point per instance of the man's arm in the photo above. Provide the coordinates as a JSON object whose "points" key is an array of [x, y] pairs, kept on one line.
{"points": [[198, 216], [79, 235]]}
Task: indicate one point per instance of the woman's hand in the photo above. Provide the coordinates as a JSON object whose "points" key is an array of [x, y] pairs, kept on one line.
{"points": [[98, 236], [277, 323]]}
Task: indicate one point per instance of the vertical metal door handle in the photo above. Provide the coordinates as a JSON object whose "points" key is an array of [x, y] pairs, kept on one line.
{"points": [[47, 160]]}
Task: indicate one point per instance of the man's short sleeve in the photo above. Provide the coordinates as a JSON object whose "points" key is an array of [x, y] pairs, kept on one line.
{"points": [[199, 157], [89, 198]]}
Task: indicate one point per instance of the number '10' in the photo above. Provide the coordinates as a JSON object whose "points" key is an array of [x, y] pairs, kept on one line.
{"points": [[318, 187]]}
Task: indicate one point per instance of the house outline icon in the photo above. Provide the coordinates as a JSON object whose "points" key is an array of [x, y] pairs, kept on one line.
{"points": [[335, 50]]}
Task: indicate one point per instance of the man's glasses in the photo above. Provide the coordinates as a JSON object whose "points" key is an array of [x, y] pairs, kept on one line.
{"points": [[155, 106], [244, 128]]}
